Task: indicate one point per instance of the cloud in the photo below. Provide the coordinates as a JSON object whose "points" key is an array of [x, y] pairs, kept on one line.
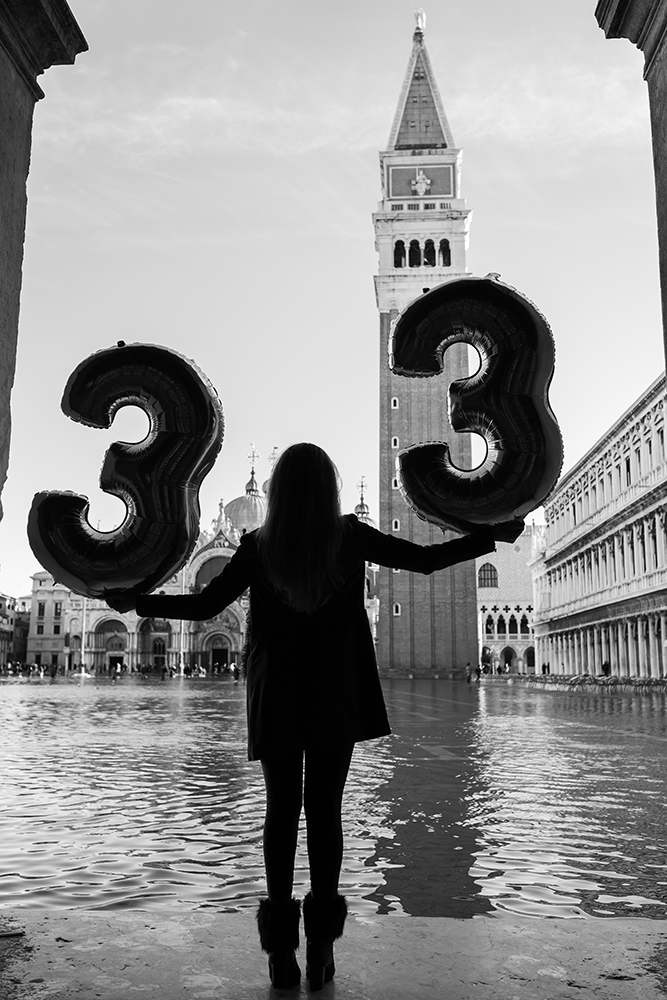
{"points": [[168, 103], [555, 104]]}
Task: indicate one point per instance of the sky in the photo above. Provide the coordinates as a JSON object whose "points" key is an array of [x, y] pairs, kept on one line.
{"points": [[204, 178]]}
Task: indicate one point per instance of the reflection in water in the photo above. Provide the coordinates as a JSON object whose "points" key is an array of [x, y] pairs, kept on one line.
{"points": [[484, 799], [567, 800], [428, 858], [141, 794]]}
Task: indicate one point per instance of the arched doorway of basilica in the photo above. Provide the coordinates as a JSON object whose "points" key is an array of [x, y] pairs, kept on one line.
{"points": [[110, 647], [217, 652], [153, 645], [529, 659]]}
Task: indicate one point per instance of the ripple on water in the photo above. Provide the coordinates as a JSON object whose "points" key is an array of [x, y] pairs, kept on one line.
{"points": [[494, 800]]}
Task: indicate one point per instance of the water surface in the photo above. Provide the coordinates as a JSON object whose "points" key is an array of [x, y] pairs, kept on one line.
{"points": [[485, 799]]}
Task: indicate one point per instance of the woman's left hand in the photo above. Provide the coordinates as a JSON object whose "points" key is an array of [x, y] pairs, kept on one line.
{"points": [[121, 604]]}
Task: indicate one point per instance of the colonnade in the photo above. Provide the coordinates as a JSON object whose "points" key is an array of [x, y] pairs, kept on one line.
{"points": [[632, 552], [633, 646]]}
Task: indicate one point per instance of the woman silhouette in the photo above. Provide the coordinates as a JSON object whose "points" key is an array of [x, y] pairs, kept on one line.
{"points": [[313, 688]]}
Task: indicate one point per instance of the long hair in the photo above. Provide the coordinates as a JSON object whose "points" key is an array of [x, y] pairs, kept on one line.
{"points": [[300, 539]]}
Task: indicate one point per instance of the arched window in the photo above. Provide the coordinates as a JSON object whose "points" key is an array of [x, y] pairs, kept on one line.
{"points": [[394, 484], [394, 442], [394, 402], [396, 525], [415, 255], [525, 628], [488, 628], [487, 576], [444, 254], [514, 627], [429, 253], [399, 253], [397, 610], [502, 628]]}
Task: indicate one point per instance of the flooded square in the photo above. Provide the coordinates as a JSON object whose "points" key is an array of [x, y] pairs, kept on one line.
{"points": [[486, 799]]}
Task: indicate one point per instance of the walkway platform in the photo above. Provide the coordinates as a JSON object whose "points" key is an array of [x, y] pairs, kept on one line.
{"points": [[114, 955]]}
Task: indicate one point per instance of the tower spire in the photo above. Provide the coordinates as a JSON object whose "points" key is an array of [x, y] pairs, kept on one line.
{"points": [[420, 121]]}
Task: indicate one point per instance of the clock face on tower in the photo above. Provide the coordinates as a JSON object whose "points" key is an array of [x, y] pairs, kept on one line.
{"points": [[416, 182]]}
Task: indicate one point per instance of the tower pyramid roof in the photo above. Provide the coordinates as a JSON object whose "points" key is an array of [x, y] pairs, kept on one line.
{"points": [[420, 121]]}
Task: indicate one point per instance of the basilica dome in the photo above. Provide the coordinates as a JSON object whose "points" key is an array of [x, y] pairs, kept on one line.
{"points": [[362, 510], [247, 512]]}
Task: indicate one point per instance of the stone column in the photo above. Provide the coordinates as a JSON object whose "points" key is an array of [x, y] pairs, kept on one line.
{"points": [[615, 639], [654, 662], [661, 645], [597, 649], [662, 539], [34, 34], [623, 647], [644, 22], [642, 668], [632, 647]]}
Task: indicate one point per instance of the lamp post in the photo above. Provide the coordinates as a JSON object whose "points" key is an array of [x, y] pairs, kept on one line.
{"points": [[181, 628]]}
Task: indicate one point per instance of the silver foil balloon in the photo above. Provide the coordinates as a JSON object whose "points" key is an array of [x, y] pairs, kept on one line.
{"points": [[157, 478], [506, 402]]}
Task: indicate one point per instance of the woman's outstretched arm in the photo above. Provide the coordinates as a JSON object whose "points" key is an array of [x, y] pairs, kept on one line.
{"points": [[398, 553], [220, 592]]}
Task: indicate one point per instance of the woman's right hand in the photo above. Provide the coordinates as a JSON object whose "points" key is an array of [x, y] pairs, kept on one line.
{"points": [[508, 531]]}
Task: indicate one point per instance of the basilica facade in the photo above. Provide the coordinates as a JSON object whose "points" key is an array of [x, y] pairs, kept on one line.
{"points": [[70, 633], [600, 562]]}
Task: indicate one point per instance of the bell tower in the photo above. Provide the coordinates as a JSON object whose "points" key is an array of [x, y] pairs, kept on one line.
{"points": [[427, 624]]}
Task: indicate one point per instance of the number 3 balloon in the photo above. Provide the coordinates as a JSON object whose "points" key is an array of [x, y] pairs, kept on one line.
{"points": [[158, 478], [506, 402]]}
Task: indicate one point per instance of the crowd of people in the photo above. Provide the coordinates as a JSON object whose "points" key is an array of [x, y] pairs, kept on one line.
{"points": [[27, 671]]}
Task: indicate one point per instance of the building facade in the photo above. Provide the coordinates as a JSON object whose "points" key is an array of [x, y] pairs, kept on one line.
{"points": [[505, 606], [427, 624], [644, 22], [71, 633], [600, 562]]}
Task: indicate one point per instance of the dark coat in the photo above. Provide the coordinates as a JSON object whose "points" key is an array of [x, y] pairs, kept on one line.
{"points": [[312, 680]]}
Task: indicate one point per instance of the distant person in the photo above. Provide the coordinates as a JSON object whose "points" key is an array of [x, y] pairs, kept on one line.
{"points": [[313, 688], [478, 673], [469, 671], [235, 672]]}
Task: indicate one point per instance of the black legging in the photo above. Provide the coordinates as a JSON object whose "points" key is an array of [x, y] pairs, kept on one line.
{"points": [[321, 790]]}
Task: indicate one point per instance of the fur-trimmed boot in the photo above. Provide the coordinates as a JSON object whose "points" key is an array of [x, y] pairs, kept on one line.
{"points": [[278, 926], [323, 922]]}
